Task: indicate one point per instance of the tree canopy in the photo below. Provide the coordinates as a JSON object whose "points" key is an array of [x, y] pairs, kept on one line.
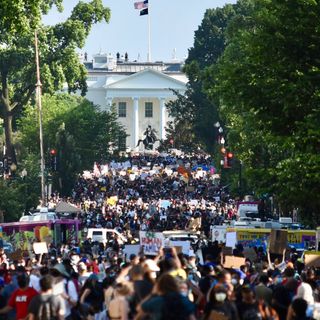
{"points": [[59, 61], [267, 86]]}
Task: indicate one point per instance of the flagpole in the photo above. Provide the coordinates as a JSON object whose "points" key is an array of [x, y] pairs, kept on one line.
{"points": [[149, 33]]}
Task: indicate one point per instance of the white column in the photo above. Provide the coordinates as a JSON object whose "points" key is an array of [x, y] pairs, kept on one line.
{"points": [[135, 121], [162, 118], [109, 103]]}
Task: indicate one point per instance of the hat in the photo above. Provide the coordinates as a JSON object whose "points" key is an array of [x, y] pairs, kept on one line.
{"points": [[151, 264], [60, 267]]}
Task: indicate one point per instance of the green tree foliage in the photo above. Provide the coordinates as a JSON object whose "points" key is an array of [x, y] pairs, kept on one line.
{"points": [[209, 44], [268, 85], [59, 61], [74, 127]]}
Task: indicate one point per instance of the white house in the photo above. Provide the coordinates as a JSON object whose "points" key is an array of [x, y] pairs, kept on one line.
{"points": [[139, 92]]}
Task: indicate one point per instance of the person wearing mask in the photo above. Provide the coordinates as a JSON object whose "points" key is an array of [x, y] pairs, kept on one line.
{"points": [[218, 303], [20, 298], [46, 305]]}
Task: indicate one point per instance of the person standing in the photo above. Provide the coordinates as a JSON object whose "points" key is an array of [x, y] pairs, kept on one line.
{"points": [[20, 298], [46, 305]]}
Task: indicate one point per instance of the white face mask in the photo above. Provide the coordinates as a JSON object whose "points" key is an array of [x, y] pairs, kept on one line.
{"points": [[234, 281], [221, 296], [241, 281], [184, 293]]}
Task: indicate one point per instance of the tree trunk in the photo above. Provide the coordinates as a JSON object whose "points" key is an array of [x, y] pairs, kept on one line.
{"points": [[10, 151]]}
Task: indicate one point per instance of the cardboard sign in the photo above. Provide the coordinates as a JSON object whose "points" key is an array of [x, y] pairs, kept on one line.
{"points": [[151, 242], [278, 241], [249, 253], [40, 247], [233, 262], [184, 246], [312, 259], [227, 251]]}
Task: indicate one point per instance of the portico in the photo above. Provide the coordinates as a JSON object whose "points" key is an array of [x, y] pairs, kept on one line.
{"points": [[140, 101]]}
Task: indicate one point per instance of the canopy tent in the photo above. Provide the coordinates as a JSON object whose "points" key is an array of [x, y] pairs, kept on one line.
{"points": [[65, 207]]}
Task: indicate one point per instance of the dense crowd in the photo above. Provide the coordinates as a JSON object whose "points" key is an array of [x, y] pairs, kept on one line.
{"points": [[75, 284], [153, 193], [85, 281]]}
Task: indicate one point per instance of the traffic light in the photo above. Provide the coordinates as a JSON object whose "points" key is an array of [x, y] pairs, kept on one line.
{"points": [[53, 159], [228, 160]]}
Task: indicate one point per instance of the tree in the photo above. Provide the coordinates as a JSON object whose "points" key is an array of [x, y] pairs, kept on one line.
{"points": [[59, 61], [267, 82], [209, 44], [76, 129]]}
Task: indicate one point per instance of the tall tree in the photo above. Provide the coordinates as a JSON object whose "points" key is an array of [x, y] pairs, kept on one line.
{"points": [[268, 82], [58, 43], [209, 44]]}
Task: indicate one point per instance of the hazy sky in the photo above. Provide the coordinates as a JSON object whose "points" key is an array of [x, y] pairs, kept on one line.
{"points": [[173, 23]]}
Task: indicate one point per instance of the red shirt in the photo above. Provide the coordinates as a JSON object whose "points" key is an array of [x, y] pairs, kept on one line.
{"points": [[20, 300]]}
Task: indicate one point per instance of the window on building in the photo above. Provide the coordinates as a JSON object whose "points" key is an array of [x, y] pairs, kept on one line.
{"points": [[148, 110], [122, 109], [122, 143]]}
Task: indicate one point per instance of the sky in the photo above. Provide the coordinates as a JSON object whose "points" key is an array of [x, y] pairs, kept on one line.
{"points": [[173, 23]]}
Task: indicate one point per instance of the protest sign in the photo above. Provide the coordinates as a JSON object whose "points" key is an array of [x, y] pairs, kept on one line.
{"points": [[151, 242], [227, 251], [234, 262], [278, 241], [250, 253], [165, 204], [312, 259], [40, 247], [131, 249], [231, 239], [184, 245]]}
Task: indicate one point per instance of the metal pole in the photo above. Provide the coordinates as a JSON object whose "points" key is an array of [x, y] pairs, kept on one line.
{"points": [[39, 104], [149, 33]]}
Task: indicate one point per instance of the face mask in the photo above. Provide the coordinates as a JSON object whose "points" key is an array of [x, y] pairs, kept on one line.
{"points": [[184, 293], [220, 297], [241, 281], [234, 281]]}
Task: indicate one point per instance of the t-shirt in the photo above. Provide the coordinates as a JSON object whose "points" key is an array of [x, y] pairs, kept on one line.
{"points": [[20, 300], [46, 304]]}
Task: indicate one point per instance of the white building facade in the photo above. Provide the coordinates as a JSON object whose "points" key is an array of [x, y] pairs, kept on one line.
{"points": [[138, 92]]}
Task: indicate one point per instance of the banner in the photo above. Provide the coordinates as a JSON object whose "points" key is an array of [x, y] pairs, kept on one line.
{"points": [[151, 242]]}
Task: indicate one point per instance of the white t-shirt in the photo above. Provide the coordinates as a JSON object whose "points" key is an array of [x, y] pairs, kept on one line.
{"points": [[60, 288]]}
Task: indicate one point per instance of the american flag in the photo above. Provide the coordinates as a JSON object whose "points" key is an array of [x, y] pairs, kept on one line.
{"points": [[141, 4]]}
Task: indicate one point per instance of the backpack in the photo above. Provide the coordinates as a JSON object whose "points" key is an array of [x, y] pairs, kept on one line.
{"points": [[45, 311]]}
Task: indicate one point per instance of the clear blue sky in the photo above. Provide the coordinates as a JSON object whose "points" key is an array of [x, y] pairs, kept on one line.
{"points": [[173, 23]]}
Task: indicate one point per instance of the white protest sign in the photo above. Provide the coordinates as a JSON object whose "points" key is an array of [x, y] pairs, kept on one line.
{"points": [[151, 242], [165, 204], [219, 233], [40, 247], [131, 249], [231, 239]]}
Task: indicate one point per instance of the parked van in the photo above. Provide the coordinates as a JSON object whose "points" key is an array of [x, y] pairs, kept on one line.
{"points": [[102, 235]]}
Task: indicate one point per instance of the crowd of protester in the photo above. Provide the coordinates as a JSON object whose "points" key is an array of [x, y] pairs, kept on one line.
{"points": [[75, 284], [84, 281], [153, 193]]}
